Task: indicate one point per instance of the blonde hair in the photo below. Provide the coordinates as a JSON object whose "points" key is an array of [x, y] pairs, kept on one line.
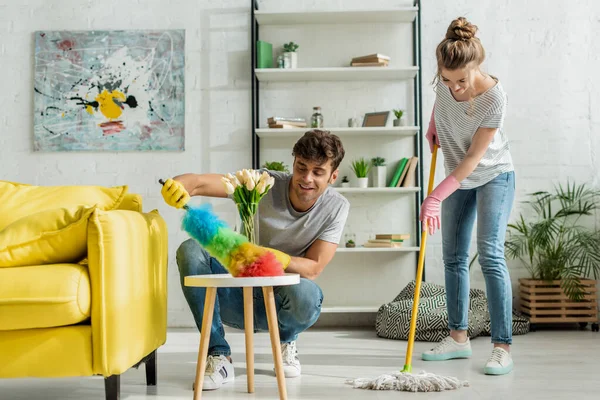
{"points": [[459, 48]]}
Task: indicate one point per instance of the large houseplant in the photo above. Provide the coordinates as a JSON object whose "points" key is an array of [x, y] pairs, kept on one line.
{"points": [[555, 245]]}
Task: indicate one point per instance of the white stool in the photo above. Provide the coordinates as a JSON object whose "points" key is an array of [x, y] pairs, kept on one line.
{"points": [[211, 283]]}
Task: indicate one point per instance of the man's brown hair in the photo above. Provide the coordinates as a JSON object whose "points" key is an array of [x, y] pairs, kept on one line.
{"points": [[319, 146]]}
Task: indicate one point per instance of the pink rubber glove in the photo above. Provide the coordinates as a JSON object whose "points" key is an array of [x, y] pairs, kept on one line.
{"points": [[431, 207], [431, 135]]}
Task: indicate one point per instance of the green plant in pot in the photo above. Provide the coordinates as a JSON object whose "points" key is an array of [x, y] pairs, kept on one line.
{"points": [[379, 171], [290, 56], [361, 168], [276, 166], [399, 121], [345, 182], [555, 246]]}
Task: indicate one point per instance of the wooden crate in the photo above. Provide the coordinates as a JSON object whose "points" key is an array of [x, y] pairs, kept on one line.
{"points": [[545, 302]]}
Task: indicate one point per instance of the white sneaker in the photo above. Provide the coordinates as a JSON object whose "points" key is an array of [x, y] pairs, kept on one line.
{"points": [[448, 349], [500, 362], [219, 370], [291, 363]]}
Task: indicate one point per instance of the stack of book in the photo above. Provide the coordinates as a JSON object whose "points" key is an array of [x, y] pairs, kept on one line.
{"points": [[286, 122], [405, 173], [371, 60], [392, 240]]}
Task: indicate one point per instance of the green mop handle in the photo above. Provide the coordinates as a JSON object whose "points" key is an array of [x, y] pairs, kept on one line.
{"points": [[415, 308]]}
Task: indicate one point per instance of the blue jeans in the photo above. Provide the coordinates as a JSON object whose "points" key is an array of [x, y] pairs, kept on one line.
{"points": [[491, 204], [298, 306]]}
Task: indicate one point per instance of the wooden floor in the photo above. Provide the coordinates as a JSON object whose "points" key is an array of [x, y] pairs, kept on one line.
{"points": [[549, 364]]}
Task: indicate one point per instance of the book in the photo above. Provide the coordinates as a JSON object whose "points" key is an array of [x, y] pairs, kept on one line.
{"points": [[285, 126], [382, 245], [272, 120], [409, 180], [401, 166], [393, 236], [369, 64], [375, 56], [264, 54]]}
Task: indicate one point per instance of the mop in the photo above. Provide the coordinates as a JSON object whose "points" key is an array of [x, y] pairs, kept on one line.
{"points": [[405, 380]]}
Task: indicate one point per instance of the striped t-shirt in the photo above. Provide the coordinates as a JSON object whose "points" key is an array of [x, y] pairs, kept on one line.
{"points": [[457, 121]]}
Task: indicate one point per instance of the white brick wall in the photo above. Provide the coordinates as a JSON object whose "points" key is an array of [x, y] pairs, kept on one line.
{"points": [[546, 57]]}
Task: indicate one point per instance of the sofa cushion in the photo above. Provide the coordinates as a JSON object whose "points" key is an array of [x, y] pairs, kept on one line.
{"points": [[44, 296], [18, 200], [58, 235]]}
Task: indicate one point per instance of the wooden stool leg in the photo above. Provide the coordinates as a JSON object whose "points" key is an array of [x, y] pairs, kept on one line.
{"points": [[249, 328], [275, 344], [209, 307]]}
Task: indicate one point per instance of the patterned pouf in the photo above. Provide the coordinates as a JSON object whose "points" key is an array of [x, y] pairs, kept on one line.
{"points": [[393, 319]]}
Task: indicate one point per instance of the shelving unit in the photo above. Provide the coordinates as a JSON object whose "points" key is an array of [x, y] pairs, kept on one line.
{"points": [[338, 74], [409, 74], [295, 133]]}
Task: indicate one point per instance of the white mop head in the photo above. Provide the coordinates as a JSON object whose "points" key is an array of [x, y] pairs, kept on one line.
{"points": [[406, 382]]}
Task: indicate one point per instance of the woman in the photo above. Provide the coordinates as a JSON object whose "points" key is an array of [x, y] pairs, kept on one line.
{"points": [[467, 125]]}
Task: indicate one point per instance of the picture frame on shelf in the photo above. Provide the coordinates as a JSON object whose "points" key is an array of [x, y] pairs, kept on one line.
{"points": [[379, 118]]}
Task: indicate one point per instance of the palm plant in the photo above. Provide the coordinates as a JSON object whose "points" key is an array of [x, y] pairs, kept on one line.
{"points": [[555, 246]]}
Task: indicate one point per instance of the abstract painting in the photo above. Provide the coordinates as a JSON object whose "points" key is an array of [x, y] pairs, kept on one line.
{"points": [[109, 90]]}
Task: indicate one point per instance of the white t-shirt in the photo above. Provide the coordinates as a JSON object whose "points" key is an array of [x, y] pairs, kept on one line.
{"points": [[457, 121]]}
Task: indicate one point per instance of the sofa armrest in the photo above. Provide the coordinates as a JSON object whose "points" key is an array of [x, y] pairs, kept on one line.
{"points": [[128, 257]]}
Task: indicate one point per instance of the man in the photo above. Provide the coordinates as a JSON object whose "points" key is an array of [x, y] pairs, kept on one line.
{"points": [[300, 216]]}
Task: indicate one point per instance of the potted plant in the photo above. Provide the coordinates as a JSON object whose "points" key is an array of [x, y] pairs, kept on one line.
{"points": [[345, 182], [361, 168], [276, 166], [560, 253], [379, 171], [350, 243], [290, 57], [399, 121]]}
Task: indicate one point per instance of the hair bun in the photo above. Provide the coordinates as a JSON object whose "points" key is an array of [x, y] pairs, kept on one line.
{"points": [[461, 29]]}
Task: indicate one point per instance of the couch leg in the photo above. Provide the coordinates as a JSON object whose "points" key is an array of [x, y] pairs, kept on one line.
{"points": [[112, 387], [151, 369]]}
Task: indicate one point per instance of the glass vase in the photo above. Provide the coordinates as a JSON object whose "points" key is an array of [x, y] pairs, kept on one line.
{"points": [[247, 221]]}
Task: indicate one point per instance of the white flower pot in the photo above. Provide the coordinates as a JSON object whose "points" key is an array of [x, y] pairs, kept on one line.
{"points": [[400, 122], [290, 59], [379, 176], [345, 184], [363, 182]]}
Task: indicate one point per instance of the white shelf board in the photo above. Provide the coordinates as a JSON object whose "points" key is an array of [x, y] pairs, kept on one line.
{"points": [[397, 15], [375, 249], [356, 309], [386, 190], [359, 132], [335, 74]]}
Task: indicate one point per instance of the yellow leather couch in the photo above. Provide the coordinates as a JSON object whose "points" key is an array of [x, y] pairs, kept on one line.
{"points": [[83, 283]]}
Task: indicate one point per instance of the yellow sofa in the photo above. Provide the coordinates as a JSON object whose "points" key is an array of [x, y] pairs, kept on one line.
{"points": [[83, 283]]}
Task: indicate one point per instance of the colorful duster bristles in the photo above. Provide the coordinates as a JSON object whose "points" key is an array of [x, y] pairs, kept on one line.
{"points": [[233, 250]]}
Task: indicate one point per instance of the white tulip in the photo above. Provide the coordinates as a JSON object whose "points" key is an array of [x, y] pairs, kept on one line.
{"points": [[236, 182], [250, 184], [265, 176], [229, 189], [241, 177], [247, 175], [261, 187], [256, 176]]}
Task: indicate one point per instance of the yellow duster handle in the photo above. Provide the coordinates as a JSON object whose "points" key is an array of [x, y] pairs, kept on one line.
{"points": [[415, 309]]}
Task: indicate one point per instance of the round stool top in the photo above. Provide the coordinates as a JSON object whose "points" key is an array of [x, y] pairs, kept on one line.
{"points": [[226, 280]]}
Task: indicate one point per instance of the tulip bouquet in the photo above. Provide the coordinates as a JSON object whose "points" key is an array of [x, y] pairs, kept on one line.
{"points": [[247, 188]]}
